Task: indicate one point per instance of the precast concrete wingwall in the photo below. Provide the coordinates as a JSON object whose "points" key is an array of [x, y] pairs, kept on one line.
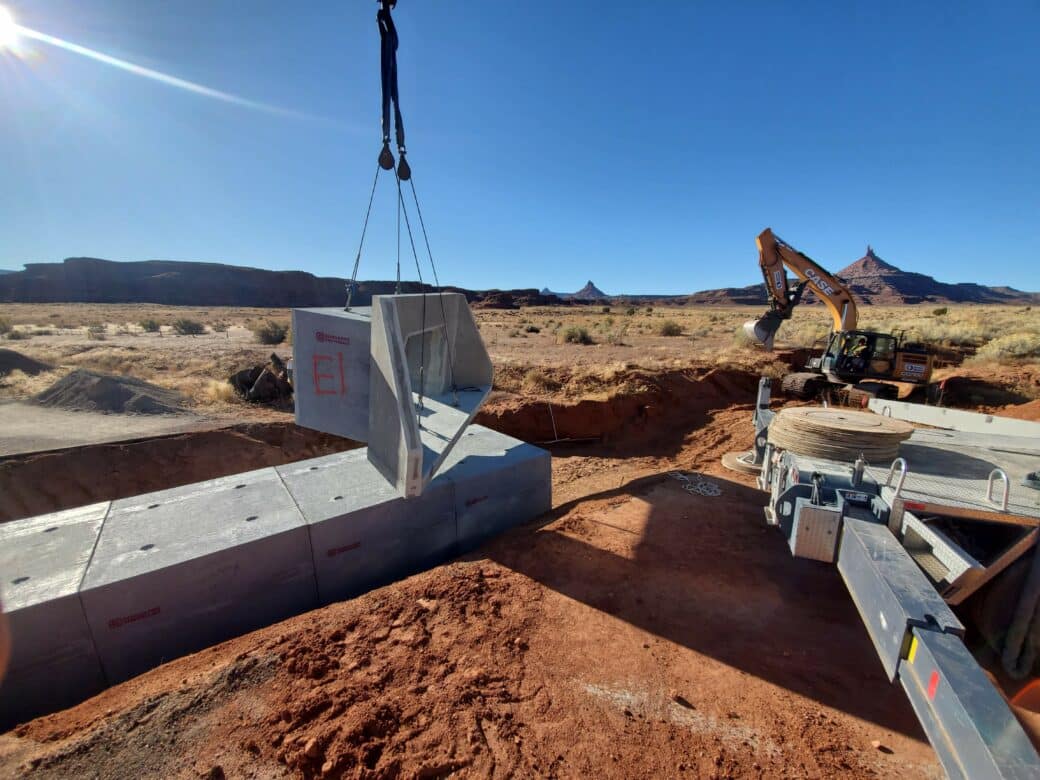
{"points": [[98, 594], [406, 376]]}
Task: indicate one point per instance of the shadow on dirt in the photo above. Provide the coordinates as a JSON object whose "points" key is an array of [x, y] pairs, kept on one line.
{"points": [[708, 574]]}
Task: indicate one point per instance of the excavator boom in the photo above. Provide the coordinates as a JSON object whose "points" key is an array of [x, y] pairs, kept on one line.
{"points": [[777, 257]]}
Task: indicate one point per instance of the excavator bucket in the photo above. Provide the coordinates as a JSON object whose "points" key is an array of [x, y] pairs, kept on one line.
{"points": [[763, 330]]}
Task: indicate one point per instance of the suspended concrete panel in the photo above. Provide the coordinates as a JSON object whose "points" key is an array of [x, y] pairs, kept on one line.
{"points": [[53, 662], [182, 569], [331, 370], [363, 533], [430, 373], [499, 482]]}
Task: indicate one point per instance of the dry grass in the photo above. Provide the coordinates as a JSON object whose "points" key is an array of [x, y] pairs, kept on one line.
{"points": [[21, 386], [218, 392], [538, 381], [1014, 347], [527, 346]]}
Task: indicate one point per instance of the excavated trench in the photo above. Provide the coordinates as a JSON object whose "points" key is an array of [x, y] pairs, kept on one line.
{"points": [[37, 483], [650, 417]]}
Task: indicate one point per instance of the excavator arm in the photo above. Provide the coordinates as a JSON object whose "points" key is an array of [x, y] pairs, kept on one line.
{"points": [[775, 258]]}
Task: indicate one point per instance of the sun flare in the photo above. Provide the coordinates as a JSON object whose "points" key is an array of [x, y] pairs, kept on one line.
{"points": [[8, 29]]}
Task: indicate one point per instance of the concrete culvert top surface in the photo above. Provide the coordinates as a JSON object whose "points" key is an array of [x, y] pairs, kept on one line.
{"points": [[93, 391], [16, 361]]}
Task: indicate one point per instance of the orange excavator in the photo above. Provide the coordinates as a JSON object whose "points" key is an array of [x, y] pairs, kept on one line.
{"points": [[871, 363]]}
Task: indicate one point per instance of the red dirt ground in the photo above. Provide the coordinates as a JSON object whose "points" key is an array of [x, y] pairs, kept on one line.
{"points": [[638, 630], [1026, 411]]}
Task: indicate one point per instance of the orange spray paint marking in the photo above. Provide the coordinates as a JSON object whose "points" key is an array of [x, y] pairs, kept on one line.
{"points": [[318, 376]]}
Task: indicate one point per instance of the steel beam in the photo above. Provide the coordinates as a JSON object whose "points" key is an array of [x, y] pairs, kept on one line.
{"points": [[971, 727], [954, 419]]}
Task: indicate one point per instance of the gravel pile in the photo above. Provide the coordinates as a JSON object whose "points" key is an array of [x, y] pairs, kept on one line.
{"points": [[16, 361], [91, 391]]}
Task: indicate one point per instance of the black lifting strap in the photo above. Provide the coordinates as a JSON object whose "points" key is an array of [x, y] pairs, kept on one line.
{"points": [[388, 63]]}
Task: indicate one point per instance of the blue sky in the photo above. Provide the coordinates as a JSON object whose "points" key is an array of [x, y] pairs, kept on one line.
{"points": [[642, 145]]}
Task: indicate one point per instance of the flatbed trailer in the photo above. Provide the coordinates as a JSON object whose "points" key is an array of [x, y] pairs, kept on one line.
{"points": [[910, 539]]}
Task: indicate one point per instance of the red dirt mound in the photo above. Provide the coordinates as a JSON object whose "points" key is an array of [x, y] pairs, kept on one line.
{"points": [[1026, 411]]}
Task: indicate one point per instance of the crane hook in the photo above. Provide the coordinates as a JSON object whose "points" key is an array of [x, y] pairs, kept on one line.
{"points": [[388, 72]]}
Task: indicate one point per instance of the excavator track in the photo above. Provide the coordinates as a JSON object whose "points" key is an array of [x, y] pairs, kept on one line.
{"points": [[804, 385]]}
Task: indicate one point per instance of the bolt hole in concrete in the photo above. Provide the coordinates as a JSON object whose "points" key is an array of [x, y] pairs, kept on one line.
{"points": [[49, 530], [145, 547], [19, 580], [337, 498], [251, 518], [153, 506], [239, 487], [314, 468]]}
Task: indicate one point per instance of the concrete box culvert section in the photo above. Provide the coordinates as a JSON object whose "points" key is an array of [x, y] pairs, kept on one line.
{"points": [[182, 569], [54, 663], [497, 480], [363, 533], [124, 586]]}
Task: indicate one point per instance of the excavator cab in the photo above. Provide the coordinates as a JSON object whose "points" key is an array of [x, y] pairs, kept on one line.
{"points": [[855, 355]]}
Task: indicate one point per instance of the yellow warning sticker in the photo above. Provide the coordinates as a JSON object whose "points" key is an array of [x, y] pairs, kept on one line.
{"points": [[913, 649]]}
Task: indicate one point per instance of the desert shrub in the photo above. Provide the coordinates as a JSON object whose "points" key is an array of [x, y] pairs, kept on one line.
{"points": [[804, 334], [5, 326], [538, 381], [1014, 346], [940, 311], [649, 309], [630, 310], [18, 335], [149, 326], [186, 327], [742, 339], [532, 329], [270, 332], [616, 339], [575, 335], [43, 332], [605, 310], [216, 392], [219, 327], [96, 331], [669, 328]]}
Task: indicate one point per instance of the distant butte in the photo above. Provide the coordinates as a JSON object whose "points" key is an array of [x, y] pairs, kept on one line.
{"points": [[872, 280]]}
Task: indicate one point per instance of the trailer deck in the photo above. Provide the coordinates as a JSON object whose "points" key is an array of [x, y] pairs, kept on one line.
{"points": [[909, 539]]}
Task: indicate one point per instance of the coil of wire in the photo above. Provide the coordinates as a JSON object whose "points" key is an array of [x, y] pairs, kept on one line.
{"points": [[838, 434]]}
